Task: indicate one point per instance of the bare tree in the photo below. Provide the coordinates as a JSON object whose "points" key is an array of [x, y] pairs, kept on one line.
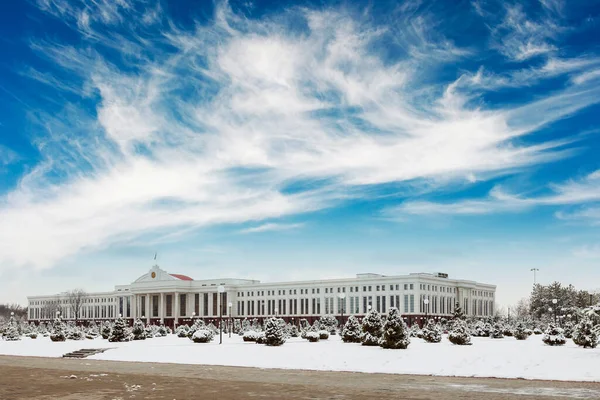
{"points": [[75, 300], [50, 308]]}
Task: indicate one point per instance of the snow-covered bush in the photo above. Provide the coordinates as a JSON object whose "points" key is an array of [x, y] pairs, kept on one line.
{"points": [[372, 329], [537, 331], [75, 333], [182, 331], [294, 331], [118, 333], [569, 329], [432, 332], [58, 331], [497, 332], [352, 331], [250, 336], [508, 331], [554, 336], [395, 332], [328, 323], [312, 336], [260, 338], [274, 334], [415, 331], [585, 334], [459, 333], [202, 336], [33, 335], [323, 334], [520, 332], [162, 331]]}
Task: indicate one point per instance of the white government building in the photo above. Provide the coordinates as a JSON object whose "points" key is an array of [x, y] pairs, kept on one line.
{"points": [[160, 297]]}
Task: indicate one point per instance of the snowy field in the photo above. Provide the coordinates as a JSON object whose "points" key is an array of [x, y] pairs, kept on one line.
{"points": [[501, 358]]}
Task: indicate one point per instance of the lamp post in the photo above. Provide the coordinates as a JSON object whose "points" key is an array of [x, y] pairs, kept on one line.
{"points": [[426, 302], [554, 301], [342, 297], [230, 304], [221, 290]]}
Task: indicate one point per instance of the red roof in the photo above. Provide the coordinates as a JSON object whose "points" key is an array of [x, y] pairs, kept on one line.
{"points": [[182, 277]]}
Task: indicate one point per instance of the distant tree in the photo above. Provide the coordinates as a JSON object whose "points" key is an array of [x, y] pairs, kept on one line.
{"points": [[458, 312], [50, 309], [75, 300]]}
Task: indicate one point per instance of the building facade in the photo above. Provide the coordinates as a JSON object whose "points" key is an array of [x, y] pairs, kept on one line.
{"points": [[160, 297]]}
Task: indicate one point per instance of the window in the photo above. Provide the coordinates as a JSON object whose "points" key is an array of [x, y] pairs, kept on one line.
{"points": [[197, 303], [182, 304], [412, 303], [154, 306], [369, 288], [406, 286]]}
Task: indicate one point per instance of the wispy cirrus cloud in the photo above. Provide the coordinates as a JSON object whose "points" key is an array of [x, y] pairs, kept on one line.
{"points": [[242, 120], [570, 193], [271, 226]]}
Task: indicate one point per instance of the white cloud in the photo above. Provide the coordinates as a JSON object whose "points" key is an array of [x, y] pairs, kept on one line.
{"points": [[520, 37], [213, 126], [272, 227], [7, 156], [574, 192]]}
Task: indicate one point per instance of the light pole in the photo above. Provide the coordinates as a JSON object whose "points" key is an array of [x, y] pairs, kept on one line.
{"points": [[554, 301], [230, 304], [342, 297], [221, 290], [426, 302], [534, 270]]}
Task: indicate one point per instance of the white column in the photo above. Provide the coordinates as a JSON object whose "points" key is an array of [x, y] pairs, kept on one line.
{"points": [[147, 305], [161, 308], [176, 313]]}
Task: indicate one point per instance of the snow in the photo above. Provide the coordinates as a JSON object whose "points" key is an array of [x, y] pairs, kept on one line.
{"points": [[501, 358]]}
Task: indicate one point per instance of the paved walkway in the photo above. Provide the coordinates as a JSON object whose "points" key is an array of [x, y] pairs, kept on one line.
{"points": [[69, 379]]}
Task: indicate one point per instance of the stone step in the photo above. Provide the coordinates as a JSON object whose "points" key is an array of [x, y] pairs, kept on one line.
{"points": [[83, 353]]}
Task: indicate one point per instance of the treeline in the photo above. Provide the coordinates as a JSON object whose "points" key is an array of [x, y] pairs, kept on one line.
{"points": [[568, 300], [7, 309]]}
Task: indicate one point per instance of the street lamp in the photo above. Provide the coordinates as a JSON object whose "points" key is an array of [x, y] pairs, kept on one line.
{"points": [[342, 297], [426, 302], [221, 290], [230, 304]]}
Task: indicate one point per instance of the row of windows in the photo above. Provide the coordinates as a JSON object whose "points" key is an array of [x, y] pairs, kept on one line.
{"points": [[436, 288], [330, 290], [482, 293]]}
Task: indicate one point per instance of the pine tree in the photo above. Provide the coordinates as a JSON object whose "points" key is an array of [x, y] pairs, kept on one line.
{"points": [[294, 331], [459, 333], [458, 312], [58, 331], [139, 330], [432, 332], [497, 332], [520, 332], [585, 334], [352, 331], [395, 331], [372, 328], [106, 330], [118, 333], [274, 335], [12, 330], [554, 336]]}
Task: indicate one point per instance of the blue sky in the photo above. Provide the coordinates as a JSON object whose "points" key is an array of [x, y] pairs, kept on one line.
{"points": [[298, 141]]}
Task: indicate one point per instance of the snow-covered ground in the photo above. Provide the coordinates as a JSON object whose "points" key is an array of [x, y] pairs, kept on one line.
{"points": [[502, 358]]}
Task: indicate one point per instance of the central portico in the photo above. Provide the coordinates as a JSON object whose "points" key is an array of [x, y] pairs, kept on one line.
{"points": [[161, 297]]}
